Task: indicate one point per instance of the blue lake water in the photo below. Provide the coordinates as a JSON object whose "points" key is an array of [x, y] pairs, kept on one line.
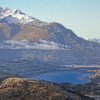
{"points": [[65, 76]]}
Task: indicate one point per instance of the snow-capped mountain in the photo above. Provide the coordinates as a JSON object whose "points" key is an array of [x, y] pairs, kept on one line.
{"points": [[22, 36], [16, 16]]}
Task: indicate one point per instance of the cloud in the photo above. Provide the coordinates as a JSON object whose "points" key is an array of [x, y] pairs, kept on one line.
{"points": [[25, 44]]}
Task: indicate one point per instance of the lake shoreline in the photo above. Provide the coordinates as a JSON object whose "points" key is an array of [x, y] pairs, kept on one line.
{"points": [[82, 76]]}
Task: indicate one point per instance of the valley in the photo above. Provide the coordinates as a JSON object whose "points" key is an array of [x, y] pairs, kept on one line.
{"points": [[45, 61], [43, 71]]}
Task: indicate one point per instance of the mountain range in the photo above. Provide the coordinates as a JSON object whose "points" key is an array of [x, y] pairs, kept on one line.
{"points": [[95, 40], [25, 37]]}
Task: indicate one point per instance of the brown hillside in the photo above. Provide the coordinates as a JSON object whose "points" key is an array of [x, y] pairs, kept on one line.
{"points": [[29, 89]]}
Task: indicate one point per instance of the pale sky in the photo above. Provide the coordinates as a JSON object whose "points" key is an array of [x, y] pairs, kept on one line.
{"points": [[82, 16]]}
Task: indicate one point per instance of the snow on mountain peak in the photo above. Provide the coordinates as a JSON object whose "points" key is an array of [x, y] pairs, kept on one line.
{"points": [[17, 11], [16, 16], [5, 10]]}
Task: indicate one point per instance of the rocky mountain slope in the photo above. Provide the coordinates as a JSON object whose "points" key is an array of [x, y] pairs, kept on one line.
{"points": [[88, 89], [29, 89], [44, 42]]}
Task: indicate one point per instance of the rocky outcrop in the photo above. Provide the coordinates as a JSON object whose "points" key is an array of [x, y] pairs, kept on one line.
{"points": [[30, 89]]}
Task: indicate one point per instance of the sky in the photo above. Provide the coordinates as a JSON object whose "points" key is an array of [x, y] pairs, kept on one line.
{"points": [[81, 16]]}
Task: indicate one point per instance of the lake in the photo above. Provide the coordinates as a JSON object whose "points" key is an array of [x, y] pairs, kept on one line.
{"points": [[65, 76]]}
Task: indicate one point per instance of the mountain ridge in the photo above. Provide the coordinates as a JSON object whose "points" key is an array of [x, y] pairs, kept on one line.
{"points": [[16, 16]]}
